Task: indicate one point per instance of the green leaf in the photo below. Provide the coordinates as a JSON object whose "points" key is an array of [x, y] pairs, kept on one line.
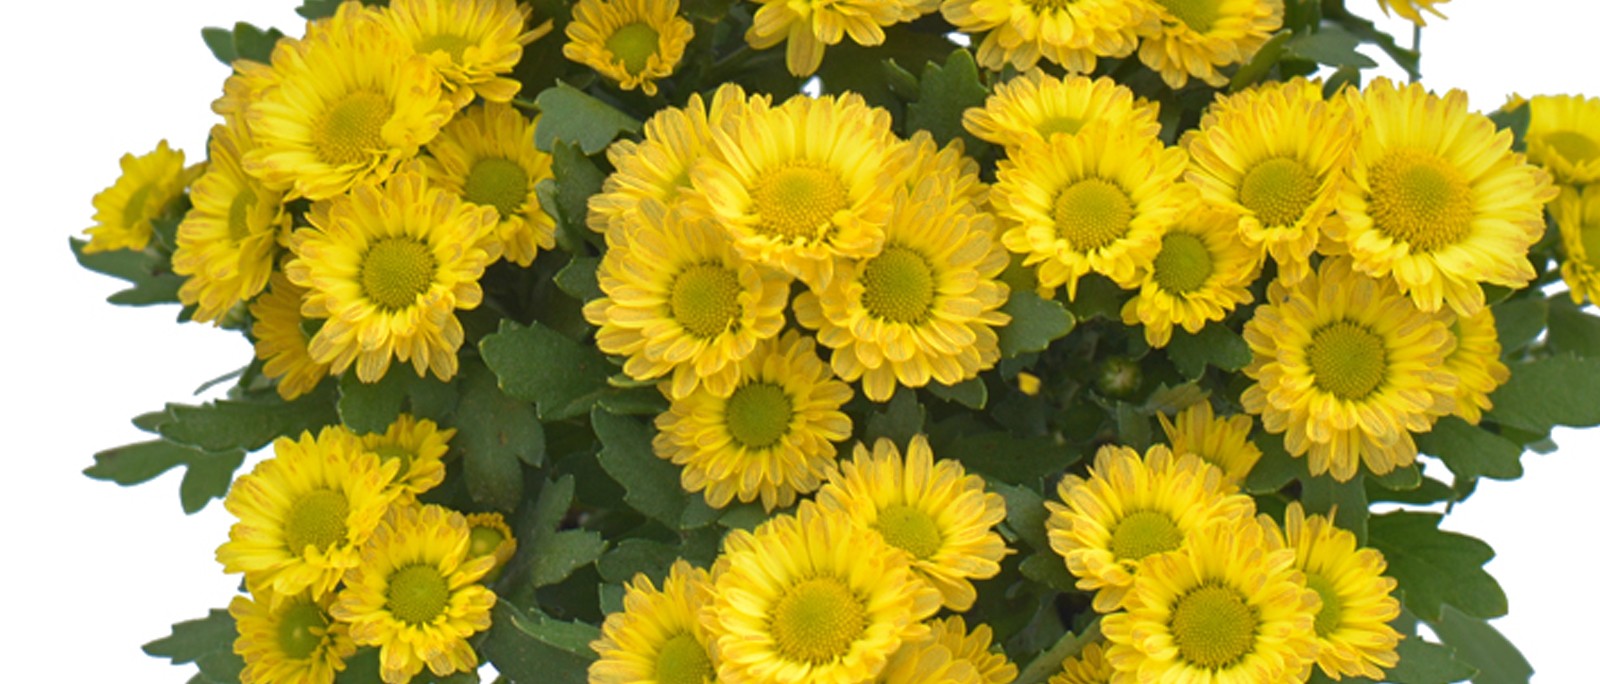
{"points": [[946, 92], [573, 116], [1332, 46], [633, 556], [1425, 662], [536, 648], [901, 419], [208, 477], [249, 425], [1572, 330], [361, 668], [1470, 451], [576, 180], [1541, 394], [1519, 321], [651, 482], [1515, 120], [220, 42], [1276, 467], [157, 289], [253, 43], [124, 264], [556, 556], [1047, 568], [743, 516], [1348, 501], [1482, 646], [1017, 460], [1435, 567], [192, 639], [367, 408], [1097, 297], [971, 393], [1035, 323], [1215, 344], [543, 366], [1048, 663], [318, 9], [639, 401], [132, 464], [1261, 63], [497, 434], [1025, 514], [580, 280]]}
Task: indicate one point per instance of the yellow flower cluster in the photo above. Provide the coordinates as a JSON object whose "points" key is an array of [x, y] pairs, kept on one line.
{"points": [[1563, 137]]}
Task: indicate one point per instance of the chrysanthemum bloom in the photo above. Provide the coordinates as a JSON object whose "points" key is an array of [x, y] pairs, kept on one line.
{"points": [[1347, 368], [350, 103], [1097, 201], [388, 266], [1071, 33], [802, 185], [1131, 508], [1228, 608], [813, 599], [949, 655], [486, 157], [1411, 9], [771, 438], [242, 88], [304, 513], [809, 26], [419, 445], [1035, 106], [935, 512], [281, 340], [229, 239], [1577, 215], [124, 212], [1437, 198], [632, 42], [1192, 39], [491, 536], [289, 640], [471, 44], [416, 594], [1475, 363], [1276, 156], [1088, 667], [1352, 627], [658, 637], [1222, 442], [991, 666], [921, 158], [1201, 273], [1564, 137], [681, 304]]}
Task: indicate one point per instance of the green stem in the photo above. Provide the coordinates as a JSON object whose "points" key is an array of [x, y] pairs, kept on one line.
{"points": [[1047, 664]]}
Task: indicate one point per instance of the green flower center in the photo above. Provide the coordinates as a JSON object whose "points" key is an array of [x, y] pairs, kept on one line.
{"points": [[1184, 263], [633, 44], [898, 285], [1143, 533], [484, 540], [316, 519], [907, 528], [683, 660], [817, 620], [391, 452], [351, 131], [1572, 146], [1347, 360], [301, 627], [797, 202], [1329, 616], [1279, 191], [1421, 200], [497, 182], [1091, 214], [1198, 15], [1589, 235], [395, 271], [133, 211], [705, 299], [759, 414], [417, 594], [1065, 125], [1213, 626], [239, 214], [451, 43]]}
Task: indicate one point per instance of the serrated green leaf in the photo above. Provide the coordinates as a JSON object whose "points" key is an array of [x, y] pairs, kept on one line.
{"points": [[1215, 344], [1397, 480], [208, 477], [361, 668], [540, 365], [1016, 460], [580, 280], [155, 289], [1276, 467], [574, 116], [1097, 297], [576, 180], [651, 482], [1435, 567], [192, 639], [1515, 120], [1330, 45], [1472, 451], [1429, 491], [971, 393], [1035, 323], [1425, 662], [634, 402], [223, 667], [743, 516], [220, 42], [538, 649], [1048, 569], [946, 92], [633, 556], [556, 556], [1348, 500], [432, 398], [555, 499], [1480, 645], [900, 420], [1519, 321], [1025, 514], [1133, 427], [318, 9], [124, 264], [1261, 63], [496, 435], [132, 464], [253, 43], [1572, 330], [249, 425], [367, 408], [1541, 394]]}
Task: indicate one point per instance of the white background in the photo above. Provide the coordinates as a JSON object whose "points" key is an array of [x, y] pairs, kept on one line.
{"points": [[93, 570]]}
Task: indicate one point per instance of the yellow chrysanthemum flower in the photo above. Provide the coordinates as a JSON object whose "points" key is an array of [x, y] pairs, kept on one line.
{"points": [[1222, 442], [921, 158], [124, 212], [470, 44], [1071, 33], [1564, 137], [1437, 198], [228, 241], [491, 537], [973, 648], [241, 89], [934, 512], [351, 101], [281, 339], [681, 304], [1201, 273], [1088, 667], [949, 655], [304, 513], [813, 599], [1577, 215], [1475, 363], [290, 640], [1194, 37], [1352, 627], [1035, 106], [632, 42], [419, 446], [1228, 608], [388, 266], [1097, 201], [1412, 9], [770, 438], [486, 157], [809, 26], [1347, 368], [416, 594], [1130, 508], [658, 637], [804, 184], [1276, 156]]}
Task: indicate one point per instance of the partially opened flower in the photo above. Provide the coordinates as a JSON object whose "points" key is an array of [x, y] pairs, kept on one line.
{"points": [[289, 640], [1564, 137], [419, 446], [1088, 667], [228, 241], [657, 636], [949, 655], [1201, 273], [124, 213], [1475, 363], [632, 42], [1071, 33], [471, 44], [1222, 442], [806, 27], [1577, 215], [486, 156], [1037, 105], [1195, 37], [281, 340], [491, 537]]}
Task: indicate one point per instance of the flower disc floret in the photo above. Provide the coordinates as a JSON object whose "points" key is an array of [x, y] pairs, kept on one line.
{"points": [[471, 44], [632, 42], [486, 156]]}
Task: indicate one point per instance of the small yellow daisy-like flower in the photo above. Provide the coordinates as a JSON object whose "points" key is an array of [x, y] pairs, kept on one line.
{"points": [[1347, 368], [388, 266], [1577, 215], [304, 513], [242, 88], [949, 655], [813, 599], [1222, 442], [228, 241], [1131, 508], [471, 44], [1352, 627], [1475, 363], [809, 26], [486, 157], [770, 438], [935, 512], [632, 42], [1412, 9], [804, 184], [1437, 198], [124, 213], [281, 339], [991, 666], [658, 637], [419, 446], [350, 102], [1071, 33], [290, 640], [1201, 273], [1197, 36], [416, 594], [491, 536], [1564, 137], [1097, 201], [1088, 667], [921, 158], [1035, 106], [1228, 608], [681, 304]]}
